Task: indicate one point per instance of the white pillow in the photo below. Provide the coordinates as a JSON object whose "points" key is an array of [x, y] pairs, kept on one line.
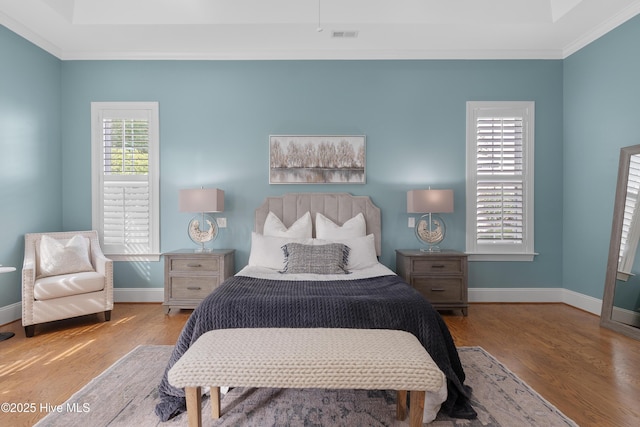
{"points": [[327, 229], [266, 251], [59, 258], [299, 229], [362, 251]]}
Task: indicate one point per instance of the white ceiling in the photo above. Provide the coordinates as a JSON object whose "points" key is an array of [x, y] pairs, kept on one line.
{"points": [[288, 29]]}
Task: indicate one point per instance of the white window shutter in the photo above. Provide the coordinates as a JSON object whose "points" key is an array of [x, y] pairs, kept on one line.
{"points": [[500, 180], [126, 179]]}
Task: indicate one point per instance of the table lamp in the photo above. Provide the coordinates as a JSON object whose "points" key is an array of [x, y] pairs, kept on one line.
{"points": [[430, 228], [202, 228]]}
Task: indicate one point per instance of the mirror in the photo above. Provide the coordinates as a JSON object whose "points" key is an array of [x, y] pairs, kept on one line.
{"points": [[621, 301]]}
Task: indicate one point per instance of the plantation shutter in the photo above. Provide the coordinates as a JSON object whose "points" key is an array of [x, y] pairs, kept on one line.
{"points": [[126, 184], [126, 206], [630, 221], [499, 188], [500, 180]]}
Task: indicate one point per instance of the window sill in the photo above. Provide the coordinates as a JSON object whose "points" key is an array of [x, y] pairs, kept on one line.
{"points": [[133, 257], [528, 257]]}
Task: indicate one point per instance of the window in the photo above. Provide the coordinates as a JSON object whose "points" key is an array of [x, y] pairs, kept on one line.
{"points": [[125, 179], [500, 181]]}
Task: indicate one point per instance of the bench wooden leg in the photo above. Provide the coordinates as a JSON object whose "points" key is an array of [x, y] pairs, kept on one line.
{"points": [[401, 405], [215, 402], [194, 405], [416, 408]]}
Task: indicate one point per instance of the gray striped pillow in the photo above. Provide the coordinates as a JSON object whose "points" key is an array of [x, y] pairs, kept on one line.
{"points": [[316, 259]]}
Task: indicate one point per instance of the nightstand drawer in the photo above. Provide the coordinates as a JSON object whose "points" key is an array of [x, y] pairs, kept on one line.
{"points": [[195, 264], [441, 277], [437, 266], [439, 290], [189, 277], [192, 287]]}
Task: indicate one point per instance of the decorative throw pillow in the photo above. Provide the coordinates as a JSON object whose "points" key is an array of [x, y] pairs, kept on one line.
{"points": [[329, 230], [322, 259], [63, 258], [362, 251], [273, 226], [266, 251]]}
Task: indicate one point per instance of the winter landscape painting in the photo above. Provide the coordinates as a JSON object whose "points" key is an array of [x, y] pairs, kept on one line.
{"points": [[316, 159]]}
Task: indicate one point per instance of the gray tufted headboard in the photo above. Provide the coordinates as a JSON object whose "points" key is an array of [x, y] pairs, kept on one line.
{"points": [[338, 207]]}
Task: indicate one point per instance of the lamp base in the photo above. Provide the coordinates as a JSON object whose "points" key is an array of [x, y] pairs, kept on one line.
{"points": [[202, 229], [430, 230]]}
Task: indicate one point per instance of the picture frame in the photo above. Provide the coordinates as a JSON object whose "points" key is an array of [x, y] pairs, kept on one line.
{"points": [[317, 159]]}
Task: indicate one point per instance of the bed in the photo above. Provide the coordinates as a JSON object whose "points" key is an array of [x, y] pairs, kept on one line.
{"points": [[314, 263]]}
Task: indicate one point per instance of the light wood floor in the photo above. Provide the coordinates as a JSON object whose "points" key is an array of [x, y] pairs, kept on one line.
{"points": [[589, 373]]}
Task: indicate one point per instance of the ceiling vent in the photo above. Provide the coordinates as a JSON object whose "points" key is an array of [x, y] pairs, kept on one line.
{"points": [[344, 34]]}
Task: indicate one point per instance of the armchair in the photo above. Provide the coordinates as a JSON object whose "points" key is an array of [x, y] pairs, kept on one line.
{"points": [[55, 285]]}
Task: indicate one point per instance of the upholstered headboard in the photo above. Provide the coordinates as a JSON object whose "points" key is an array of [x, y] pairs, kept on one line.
{"points": [[338, 207]]}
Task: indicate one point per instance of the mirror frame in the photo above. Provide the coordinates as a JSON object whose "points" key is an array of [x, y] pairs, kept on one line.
{"points": [[614, 247]]}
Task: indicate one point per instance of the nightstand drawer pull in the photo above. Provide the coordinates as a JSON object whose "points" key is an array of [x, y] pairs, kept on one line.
{"points": [[194, 288], [438, 266], [194, 265], [438, 289]]}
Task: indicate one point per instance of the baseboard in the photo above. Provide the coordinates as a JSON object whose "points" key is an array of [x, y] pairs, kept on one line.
{"points": [[138, 294], [13, 312], [574, 299], [10, 313]]}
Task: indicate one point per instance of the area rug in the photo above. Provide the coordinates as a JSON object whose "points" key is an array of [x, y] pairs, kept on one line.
{"points": [[126, 395]]}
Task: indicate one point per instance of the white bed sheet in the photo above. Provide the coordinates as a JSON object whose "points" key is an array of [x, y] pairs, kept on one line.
{"points": [[269, 273], [433, 400]]}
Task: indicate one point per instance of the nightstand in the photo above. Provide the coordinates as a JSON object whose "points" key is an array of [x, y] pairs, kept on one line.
{"points": [[190, 276], [441, 277]]}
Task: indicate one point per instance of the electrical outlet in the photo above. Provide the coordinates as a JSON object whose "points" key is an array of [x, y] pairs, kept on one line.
{"points": [[412, 222], [222, 222]]}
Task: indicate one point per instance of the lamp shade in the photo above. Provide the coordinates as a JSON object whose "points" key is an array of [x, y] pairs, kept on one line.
{"points": [[430, 201], [202, 200]]}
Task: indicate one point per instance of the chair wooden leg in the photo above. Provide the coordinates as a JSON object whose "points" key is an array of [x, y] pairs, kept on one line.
{"points": [[107, 315], [30, 330]]}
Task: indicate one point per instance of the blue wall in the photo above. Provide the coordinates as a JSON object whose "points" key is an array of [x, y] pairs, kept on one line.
{"points": [[601, 115], [216, 118], [30, 152]]}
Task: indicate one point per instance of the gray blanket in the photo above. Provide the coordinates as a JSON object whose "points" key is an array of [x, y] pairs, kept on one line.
{"points": [[385, 302]]}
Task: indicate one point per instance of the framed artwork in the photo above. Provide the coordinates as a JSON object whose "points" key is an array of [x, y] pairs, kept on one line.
{"points": [[317, 159]]}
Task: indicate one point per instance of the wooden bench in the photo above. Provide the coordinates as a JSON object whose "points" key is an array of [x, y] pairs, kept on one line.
{"points": [[370, 359]]}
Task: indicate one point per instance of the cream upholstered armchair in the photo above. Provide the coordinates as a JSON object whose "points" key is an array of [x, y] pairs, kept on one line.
{"points": [[64, 275]]}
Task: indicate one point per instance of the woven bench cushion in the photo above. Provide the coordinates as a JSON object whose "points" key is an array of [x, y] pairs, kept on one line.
{"points": [[308, 358]]}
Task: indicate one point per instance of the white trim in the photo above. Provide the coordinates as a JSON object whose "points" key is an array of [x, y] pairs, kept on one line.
{"points": [[318, 55], [501, 257], [549, 295], [589, 304], [595, 33], [29, 35], [10, 313], [138, 294], [135, 258]]}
